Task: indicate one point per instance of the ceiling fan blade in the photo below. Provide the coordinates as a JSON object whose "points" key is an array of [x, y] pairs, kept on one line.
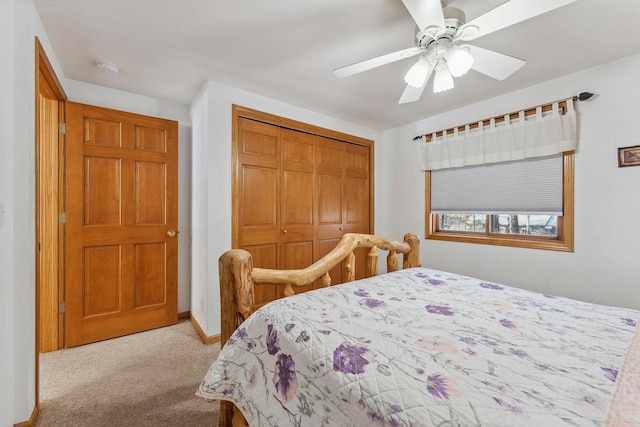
{"points": [[493, 64], [427, 14], [359, 67], [412, 93], [505, 15]]}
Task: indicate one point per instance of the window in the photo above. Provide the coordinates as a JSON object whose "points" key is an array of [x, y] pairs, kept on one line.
{"points": [[553, 229], [507, 180]]}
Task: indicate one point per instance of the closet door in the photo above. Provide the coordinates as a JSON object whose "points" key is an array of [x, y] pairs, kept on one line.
{"points": [[295, 194], [258, 193], [298, 201], [357, 213], [331, 161], [343, 198]]}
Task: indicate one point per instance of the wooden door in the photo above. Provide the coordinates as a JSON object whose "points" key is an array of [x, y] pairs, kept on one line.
{"points": [[357, 213], [344, 198], [298, 201], [122, 216], [48, 226], [257, 194], [276, 199], [295, 193], [331, 161]]}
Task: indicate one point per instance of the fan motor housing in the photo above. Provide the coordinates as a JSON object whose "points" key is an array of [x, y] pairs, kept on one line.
{"points": [[454, 18]]}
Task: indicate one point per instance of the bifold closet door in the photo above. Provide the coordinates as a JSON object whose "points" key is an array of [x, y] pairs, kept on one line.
{"points": [[295, 195], [258, 192]]}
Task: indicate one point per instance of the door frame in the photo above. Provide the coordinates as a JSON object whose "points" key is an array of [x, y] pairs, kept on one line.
{"points": [[44, 70]]}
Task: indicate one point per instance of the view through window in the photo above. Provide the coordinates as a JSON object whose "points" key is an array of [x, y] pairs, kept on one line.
{"points": [[514, 224]]}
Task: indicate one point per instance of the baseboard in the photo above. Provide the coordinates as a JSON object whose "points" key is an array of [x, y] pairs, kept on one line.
{"points": [[31, 421], [205, 339], [184, 315]]}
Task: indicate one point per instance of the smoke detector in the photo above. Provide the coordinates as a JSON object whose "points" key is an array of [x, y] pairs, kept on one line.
{"points": [[107, 67]]}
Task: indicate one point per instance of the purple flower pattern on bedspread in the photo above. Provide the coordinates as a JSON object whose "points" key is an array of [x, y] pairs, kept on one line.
{"points": [[284, 379], [350, 359], [272, 340], [421, 347]]}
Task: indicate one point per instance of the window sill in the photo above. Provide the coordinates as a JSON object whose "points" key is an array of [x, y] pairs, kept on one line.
{"points": [[511, 241]]}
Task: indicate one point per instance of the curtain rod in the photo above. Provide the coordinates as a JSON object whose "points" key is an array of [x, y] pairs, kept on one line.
{"points": [[514, 115]]}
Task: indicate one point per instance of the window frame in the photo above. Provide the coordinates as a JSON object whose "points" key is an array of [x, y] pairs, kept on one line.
{"points": [[563, 242]]}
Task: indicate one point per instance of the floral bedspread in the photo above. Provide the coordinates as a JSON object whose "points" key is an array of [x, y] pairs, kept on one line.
{"points": [[421, 347]]}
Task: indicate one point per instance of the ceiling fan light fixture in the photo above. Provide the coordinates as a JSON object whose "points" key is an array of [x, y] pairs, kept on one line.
{"points": [[443, 79], [459, 61], [417, 75]]}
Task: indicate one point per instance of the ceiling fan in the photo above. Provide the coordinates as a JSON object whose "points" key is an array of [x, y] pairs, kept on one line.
{"points": [[439, 41]]}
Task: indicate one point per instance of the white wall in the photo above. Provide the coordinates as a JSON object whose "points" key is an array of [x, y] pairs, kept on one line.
{"points": [[199, 208], [19, 24], [86, 93], [603, 267], [100, 96], [6, 203], [211, 118]]}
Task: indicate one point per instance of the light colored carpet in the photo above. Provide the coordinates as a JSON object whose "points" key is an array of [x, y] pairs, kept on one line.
{"points": [[145, 379]]}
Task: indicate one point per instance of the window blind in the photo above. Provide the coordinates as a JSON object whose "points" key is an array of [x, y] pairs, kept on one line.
{"points": [[530, 186]]}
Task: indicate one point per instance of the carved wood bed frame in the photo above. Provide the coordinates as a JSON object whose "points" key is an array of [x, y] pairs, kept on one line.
{"points": [[238, 278]]}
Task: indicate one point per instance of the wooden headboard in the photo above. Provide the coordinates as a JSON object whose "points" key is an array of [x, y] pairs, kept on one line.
{"points": [[238, 279]]}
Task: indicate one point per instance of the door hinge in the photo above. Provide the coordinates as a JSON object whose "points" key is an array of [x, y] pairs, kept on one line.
{"points": [[62, 128], [62, 307], [62, 218]]}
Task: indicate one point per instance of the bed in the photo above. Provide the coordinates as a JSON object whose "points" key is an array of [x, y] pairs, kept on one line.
{"points": [[416, 347]]}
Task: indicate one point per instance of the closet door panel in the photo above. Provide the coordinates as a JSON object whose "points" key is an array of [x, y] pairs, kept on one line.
{"points": [[265, 256], [356, 189], [298, 199], [357, 196], [259, 140], [258, 197], [331, 160]]}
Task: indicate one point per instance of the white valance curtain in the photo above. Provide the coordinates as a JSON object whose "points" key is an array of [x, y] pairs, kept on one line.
{"points": [[538, 135]]}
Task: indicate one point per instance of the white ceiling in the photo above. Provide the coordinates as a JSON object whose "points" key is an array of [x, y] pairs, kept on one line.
{"points": [[287, 49]]}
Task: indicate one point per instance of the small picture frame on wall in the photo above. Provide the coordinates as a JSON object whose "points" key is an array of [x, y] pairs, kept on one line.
{"points": [[629, 156]]}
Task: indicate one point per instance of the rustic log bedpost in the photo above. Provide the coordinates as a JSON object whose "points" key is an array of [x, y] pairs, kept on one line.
{"points": [[392, 262], [236, 290], [350, 267], [372, 262], [236, 302], [412, 258]]}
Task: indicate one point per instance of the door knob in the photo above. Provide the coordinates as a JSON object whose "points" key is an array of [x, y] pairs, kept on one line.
{"points": [[284, 231], [172, 233]]}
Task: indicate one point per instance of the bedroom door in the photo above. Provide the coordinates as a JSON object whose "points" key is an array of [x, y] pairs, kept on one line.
{"points": [[121, 219]]}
